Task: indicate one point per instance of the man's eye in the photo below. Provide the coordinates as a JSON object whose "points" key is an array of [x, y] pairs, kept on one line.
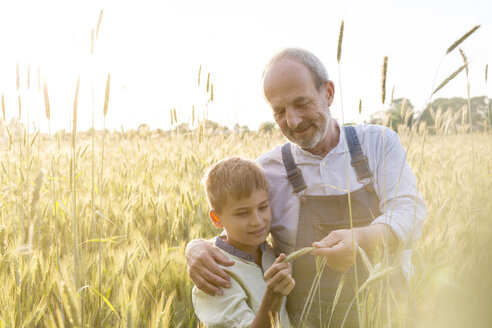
{"points": [[264, 207], [242, 213]]}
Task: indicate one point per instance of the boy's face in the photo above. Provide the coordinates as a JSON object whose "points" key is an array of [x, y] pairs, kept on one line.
{"points": [[246, 221]]}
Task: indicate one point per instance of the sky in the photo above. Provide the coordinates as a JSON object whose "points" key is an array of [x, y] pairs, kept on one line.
{"points": [[154, 49]]}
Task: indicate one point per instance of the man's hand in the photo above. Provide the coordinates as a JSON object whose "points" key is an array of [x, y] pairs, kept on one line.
{"points": [[278, 278], [203, 259], [338, 248]]}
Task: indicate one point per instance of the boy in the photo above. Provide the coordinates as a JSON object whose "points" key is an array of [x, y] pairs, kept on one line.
{"points": [[237, 192]]}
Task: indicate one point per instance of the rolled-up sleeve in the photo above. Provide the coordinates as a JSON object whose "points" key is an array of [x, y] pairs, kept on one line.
{"points": [[229, 310], [402, 205]]}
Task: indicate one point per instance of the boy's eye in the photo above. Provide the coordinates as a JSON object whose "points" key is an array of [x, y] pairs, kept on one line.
{"points": [[242, 213], [263, 207]]}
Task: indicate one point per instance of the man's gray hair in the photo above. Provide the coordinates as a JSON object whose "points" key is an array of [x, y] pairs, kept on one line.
{"points": [[314, 65]]}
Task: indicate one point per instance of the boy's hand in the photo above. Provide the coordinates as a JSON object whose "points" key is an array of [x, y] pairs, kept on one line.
{"points": [[278, 278], [203, 259]]}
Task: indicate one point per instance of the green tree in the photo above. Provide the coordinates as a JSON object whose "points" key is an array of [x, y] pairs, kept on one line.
{"points": [[400, 112], [267, 127]]}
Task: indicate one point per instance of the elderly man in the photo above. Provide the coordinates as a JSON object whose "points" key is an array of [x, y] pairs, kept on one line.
{"points": [[325, 181]]}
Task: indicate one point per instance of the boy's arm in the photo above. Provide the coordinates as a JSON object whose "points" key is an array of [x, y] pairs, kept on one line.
{"points": [[279, 284], [203, 261], [229, 310]]}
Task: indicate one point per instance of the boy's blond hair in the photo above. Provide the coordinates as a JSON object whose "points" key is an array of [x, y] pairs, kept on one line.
{"points": [[232, 176]]}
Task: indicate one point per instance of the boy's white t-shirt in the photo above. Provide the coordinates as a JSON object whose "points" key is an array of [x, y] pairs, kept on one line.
{"points": [[239, 304]]}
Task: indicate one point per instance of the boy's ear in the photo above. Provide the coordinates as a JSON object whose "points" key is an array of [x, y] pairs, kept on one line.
{"points": [[215, 219]]}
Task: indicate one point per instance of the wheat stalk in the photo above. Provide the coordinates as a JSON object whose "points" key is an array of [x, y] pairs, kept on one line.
{"points": [[20, 110], [3, 106], [36, 192], [39, 78], [17, 76], [99, 23], [465, 60], [449, 78], [28, 77], [295, 255], [199, 74], [3, 239], [106, 95], [74, 118], [340, 40], [92, 41], [384, 69], [46, 100], [463, 38]]}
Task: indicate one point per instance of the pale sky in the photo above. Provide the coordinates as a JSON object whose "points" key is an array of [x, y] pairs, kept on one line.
{"points": [[153, 50]]}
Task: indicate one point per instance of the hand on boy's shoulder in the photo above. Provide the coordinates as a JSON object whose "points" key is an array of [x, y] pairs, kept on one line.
{"points": [[203, 266]]}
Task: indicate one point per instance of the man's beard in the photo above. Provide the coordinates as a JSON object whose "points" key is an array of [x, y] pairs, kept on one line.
{"points": [[321, 128]]}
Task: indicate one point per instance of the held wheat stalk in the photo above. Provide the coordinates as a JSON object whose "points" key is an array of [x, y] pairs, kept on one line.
{"points": [[295, 255]]}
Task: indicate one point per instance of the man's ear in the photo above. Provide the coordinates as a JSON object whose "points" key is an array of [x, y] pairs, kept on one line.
{"points": [[329, 92], [215, 219]]}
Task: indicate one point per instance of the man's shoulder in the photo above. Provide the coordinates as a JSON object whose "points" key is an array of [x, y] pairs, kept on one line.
{"points": [[372, 134], [271, 157], [372, 129]]}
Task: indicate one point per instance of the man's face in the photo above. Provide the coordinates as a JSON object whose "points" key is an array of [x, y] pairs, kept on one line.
{"points": [[301, 111], [246, 221]]}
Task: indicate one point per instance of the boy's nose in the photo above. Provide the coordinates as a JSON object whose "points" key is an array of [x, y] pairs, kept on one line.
{"points": [[256, 219]]}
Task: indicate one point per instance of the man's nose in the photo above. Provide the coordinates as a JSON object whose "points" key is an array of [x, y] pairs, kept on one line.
{"points": [[293, 118]]}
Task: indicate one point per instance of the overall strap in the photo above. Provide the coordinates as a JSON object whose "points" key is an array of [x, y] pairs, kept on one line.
{"points": [[359, 162], [294, 174]]}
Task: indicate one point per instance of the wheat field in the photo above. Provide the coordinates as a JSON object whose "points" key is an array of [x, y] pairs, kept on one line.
{"points": [[93, 239]]}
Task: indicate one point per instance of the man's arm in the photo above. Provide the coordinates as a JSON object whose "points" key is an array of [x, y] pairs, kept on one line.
{"points": [[203, 261], [338, 249], [403, 207]]}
